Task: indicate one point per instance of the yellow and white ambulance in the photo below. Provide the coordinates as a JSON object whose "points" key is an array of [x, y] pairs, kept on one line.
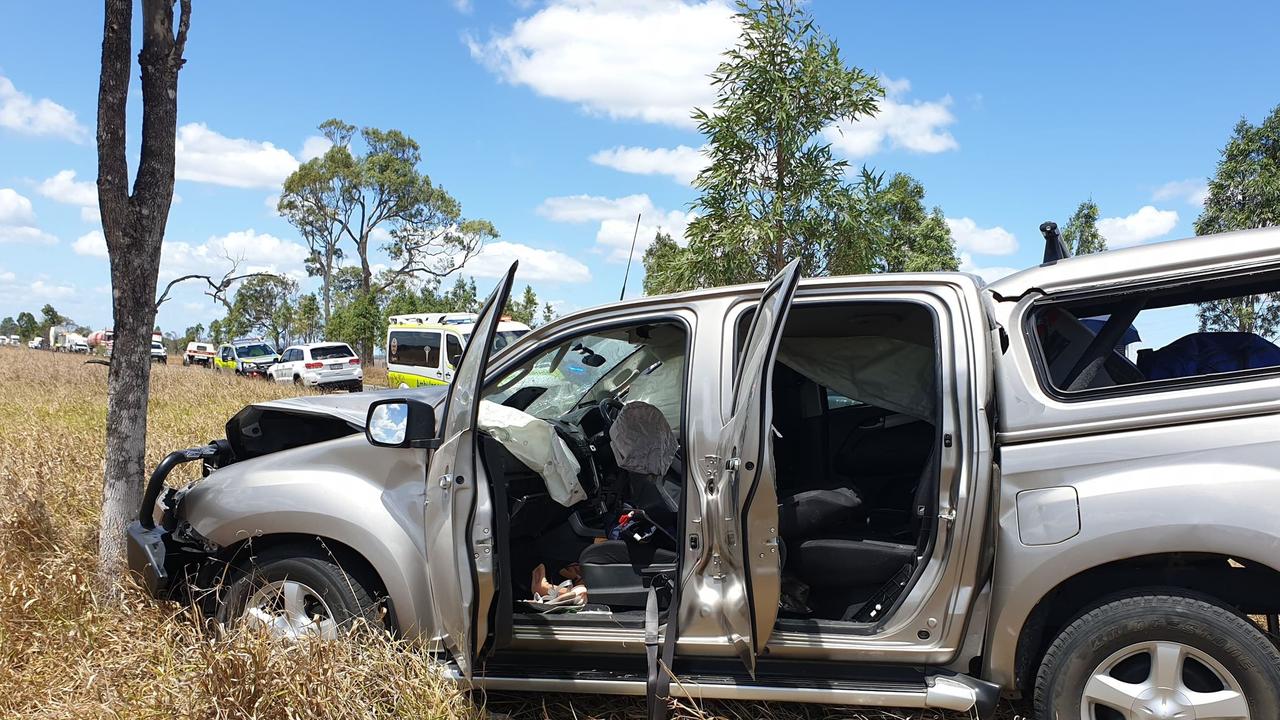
{"points": [[424, 348]]}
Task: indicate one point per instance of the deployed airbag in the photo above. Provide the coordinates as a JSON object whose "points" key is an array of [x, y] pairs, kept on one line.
{"points": [[535, 443], [881, 371], [642, 440]]}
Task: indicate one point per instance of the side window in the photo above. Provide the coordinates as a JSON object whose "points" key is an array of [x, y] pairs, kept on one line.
{"points": [[417, 348], [453, 349], [1157, 338], [226, 353]]}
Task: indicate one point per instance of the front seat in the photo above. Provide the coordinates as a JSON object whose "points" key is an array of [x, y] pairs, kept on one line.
{"points": [[616, 571]]}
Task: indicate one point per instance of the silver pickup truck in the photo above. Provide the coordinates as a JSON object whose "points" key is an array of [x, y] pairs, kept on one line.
{"points": [[908, 490]]}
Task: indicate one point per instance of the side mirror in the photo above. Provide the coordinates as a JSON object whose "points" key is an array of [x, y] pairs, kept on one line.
{"points": [[401, 423]]}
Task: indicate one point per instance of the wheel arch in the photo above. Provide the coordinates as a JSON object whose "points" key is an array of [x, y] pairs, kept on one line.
{"points": [[1250, 586]]}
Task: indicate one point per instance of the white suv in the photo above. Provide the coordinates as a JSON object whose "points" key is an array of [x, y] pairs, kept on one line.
{"points": [[327, 365]]}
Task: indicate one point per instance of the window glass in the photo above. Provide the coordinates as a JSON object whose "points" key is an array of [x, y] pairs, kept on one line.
{"points": [[226, 353], [417, 348], [1196, 330], [331, 352], [254, 350], [835, 400], [453, 349], [564, 373]]}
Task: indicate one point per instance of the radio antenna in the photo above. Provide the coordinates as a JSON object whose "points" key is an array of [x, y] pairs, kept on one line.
{"points": [[630, 255]]}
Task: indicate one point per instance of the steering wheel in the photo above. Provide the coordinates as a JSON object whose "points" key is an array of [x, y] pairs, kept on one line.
{"points": [[609, 408]]}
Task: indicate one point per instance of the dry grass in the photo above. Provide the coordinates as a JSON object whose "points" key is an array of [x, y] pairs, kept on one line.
{"points": [[64, 654]]}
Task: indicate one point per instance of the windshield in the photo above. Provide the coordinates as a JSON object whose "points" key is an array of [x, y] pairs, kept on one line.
{"points": [[329, 352], [564, 373], [256, 350], [156, 346]]}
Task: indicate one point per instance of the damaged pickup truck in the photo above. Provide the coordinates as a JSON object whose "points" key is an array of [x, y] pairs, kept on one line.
{"points": [[906, 490]]}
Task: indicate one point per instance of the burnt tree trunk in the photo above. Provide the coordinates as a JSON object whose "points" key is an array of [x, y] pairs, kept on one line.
{"points": [[134, 225]]}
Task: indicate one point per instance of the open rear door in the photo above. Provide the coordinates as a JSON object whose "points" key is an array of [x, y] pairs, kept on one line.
{"points": [[461, 557], [741, 568]]}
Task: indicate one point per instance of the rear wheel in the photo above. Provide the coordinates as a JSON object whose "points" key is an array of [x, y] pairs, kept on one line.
{"points": [[296, 592], [1160, 656]]}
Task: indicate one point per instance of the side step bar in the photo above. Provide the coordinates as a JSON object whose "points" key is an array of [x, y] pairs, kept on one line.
{"points": [[942, 692]]}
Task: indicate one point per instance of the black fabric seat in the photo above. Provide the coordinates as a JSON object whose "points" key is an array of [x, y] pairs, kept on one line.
{"points": [[614, 571], [847, 562]]}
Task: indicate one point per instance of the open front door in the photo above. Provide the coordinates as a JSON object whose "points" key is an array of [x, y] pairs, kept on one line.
{"points": [[741, 567], [461, 556]]}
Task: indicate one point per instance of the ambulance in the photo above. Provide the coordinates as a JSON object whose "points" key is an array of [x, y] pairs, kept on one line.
{"points": [[424, 348]]}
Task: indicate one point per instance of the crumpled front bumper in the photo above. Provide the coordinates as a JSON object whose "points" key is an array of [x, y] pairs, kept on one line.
{"points": [[152, 550], [146, 551]]}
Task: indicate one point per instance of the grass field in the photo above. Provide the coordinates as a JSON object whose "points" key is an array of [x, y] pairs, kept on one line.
{"points": [[65, 654]]}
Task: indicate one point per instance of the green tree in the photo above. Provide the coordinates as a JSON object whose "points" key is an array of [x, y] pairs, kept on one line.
{"points": [[216, 335], [8, 326], [548, 313], [353, 195], [307, 322], [462, 297], [359, 318], [1081, 234], [773, 191], [665, 270], [1244, 193], [525, 309], [50, 317], [889, 230], [28, 328], [259, 307]]}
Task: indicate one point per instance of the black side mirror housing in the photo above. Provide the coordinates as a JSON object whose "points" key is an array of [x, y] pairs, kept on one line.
{"points": [[401, 423]]}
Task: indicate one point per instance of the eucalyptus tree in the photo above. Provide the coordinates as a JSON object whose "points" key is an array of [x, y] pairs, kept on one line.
{"points": [[1244, 193], [366, 194], [133, 223], [1081, 233]]}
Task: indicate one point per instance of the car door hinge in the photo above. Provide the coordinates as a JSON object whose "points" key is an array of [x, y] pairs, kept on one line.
{"points": [[948, 514]]}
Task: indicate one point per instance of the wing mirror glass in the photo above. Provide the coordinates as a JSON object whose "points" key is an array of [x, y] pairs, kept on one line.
{"points": [[401, 423]]}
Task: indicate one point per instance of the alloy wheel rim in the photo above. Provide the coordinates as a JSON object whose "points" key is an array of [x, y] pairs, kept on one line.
{"points": [[1162, 680], [291, 610]]}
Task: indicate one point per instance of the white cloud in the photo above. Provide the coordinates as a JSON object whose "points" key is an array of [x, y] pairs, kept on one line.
{"points": [[682, 163], [462, 6], [46, 291], [916, 126], [204, 155], [6, 276], [1145, 224], [92, 243], [17, 221], [15, 209], [988, 274], [91, 214], [632, 59], [1193, 192], [986, 241], [535, 264], [64, 188], [251, 250], [20, 113], [617, 220], [314, 147]]}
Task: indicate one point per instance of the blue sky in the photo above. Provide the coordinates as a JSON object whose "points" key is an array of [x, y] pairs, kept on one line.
{"points": [[560, 120]]}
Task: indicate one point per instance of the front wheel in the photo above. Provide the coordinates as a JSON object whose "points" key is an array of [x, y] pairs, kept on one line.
{"points": [[299, 592], [1160, 656]]}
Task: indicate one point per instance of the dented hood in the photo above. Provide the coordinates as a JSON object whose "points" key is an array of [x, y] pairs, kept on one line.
{"points": [[351, 408], [269, 427]]}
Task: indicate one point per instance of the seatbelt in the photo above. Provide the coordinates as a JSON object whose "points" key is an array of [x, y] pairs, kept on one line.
{"points": [[658, 685], [651, 654]]}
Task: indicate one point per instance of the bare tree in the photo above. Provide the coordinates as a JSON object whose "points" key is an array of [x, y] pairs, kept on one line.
{"points": [[215, 287], [134, 225]]}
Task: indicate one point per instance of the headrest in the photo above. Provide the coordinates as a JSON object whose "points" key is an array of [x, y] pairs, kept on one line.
{"points": [[642, 439]]}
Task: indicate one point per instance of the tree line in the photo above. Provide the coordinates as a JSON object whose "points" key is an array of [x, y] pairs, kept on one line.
{"points": [[27, 326]]}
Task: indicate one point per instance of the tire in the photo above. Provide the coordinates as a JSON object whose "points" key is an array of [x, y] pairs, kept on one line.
{"points": [[334, 601], [356, 387], [1120, 651]]}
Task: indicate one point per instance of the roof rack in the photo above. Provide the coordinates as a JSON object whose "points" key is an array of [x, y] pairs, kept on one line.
{"points": [[1054, 248]]}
